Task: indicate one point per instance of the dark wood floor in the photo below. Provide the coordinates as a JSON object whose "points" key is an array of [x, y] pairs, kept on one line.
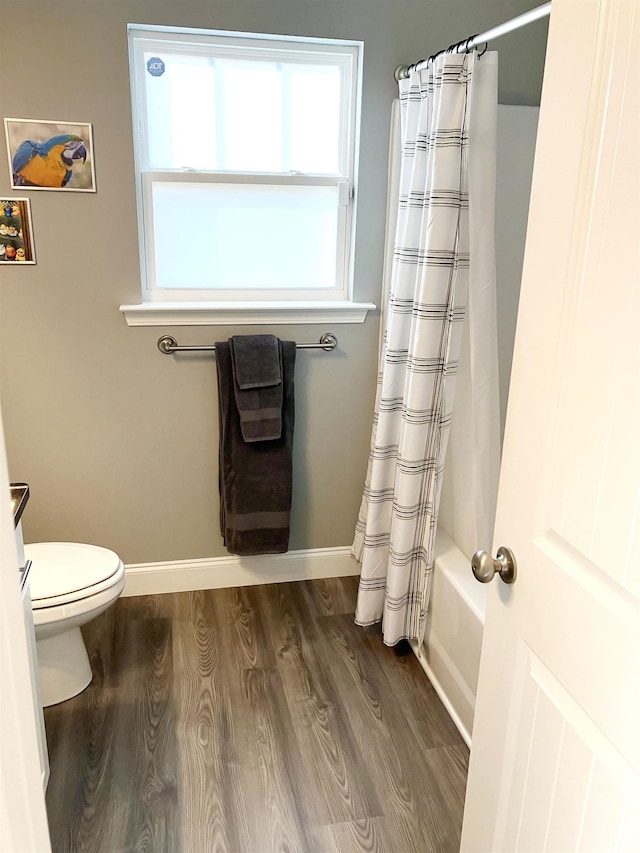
{"points": [[248, 720]]}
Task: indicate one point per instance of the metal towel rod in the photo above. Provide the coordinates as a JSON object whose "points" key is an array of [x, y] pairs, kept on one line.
{"points": [[167, 345]]}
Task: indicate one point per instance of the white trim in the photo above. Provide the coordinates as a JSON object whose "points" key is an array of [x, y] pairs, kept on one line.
{"points": [[23, 816], [162, 32], [244, 313], [230, 571], [455, 719]]}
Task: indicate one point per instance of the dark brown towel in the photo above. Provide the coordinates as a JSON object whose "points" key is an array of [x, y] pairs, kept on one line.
{"points": [[256, 477], [256, 362]]}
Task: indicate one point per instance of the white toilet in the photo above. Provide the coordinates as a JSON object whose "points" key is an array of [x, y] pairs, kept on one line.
{"points": [[70, 585]]}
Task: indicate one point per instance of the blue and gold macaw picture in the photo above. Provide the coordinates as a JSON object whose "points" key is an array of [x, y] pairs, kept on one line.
{"points": [[50, 155], [47, 164]]}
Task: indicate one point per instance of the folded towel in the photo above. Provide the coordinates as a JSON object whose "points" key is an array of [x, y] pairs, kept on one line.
{"points": [[257, 369], [255, 477], [256, 360]]}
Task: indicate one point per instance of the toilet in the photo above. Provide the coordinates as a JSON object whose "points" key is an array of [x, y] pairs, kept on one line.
{"points": [[70, 584]]}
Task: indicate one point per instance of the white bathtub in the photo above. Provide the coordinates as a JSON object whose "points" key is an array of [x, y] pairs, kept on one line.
{"points": [[451, 651], [450, 654]]}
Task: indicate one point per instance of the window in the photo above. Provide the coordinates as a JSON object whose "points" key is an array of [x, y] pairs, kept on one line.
{"points": [[245, 153]]}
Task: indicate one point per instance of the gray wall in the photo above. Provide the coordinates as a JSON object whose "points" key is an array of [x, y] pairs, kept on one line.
{"points": [[118, 442]]}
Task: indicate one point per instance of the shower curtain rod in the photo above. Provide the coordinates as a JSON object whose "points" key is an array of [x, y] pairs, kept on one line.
{"points": [[402, 71]]}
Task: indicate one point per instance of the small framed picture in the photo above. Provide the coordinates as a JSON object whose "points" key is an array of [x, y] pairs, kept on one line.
{"points": [[50, 155], [16, 232]]}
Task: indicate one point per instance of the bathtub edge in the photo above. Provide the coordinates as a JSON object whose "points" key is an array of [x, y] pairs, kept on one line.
{"points": [[455, 718]]}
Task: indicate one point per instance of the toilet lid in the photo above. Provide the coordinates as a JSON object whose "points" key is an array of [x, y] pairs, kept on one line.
{"points": [[64, 568]]}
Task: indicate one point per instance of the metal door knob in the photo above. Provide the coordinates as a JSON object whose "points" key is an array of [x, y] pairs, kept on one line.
{"points": [[485, 567]]}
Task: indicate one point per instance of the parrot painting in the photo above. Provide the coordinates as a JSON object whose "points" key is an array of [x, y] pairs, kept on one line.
{"points": [[47, 164]]}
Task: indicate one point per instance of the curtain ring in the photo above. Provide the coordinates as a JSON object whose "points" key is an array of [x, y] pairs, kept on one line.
{"points": [[480, 55]]}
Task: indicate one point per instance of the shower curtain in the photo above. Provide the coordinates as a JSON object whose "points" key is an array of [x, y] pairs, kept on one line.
{"points": [[443, 171]]}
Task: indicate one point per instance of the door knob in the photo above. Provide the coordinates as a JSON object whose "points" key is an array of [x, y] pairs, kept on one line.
{"points": [[485, 567]]}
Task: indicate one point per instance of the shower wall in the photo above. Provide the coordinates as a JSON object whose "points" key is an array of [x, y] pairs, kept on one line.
{"points": [[517, 127]]}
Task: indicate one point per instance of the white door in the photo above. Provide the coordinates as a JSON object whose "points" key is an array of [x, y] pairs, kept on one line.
{"points": [[556, 741], [23, 818]]}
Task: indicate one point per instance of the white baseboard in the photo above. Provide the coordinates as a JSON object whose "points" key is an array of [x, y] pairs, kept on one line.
{"points": [[219, 572]]}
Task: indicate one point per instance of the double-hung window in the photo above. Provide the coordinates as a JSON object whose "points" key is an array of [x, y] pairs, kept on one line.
{"points": [[245, 150]]}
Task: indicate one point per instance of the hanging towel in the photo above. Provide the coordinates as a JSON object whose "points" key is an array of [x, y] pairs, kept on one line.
{"points": [[255, 477], [257, 384], [256, 360]]}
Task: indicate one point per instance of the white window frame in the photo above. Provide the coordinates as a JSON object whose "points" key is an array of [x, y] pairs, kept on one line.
{"points": [[197, 306]]}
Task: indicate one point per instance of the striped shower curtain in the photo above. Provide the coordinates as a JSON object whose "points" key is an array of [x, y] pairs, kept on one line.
{"points": [[444, 109]]}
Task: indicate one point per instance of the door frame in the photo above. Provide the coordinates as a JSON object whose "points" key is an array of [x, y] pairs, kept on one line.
{"points": [[23, 815]]}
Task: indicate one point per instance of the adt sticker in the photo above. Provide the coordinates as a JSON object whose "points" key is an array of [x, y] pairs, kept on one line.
{"points": [[155, 66]]}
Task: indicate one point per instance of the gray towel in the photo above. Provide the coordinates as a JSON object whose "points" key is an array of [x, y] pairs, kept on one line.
{"points": [[256, 360], [256, 477], [257, 369]]}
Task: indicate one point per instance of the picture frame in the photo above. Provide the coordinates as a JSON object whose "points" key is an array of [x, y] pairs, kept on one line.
{"points": [[16, 233], [50, 155]]}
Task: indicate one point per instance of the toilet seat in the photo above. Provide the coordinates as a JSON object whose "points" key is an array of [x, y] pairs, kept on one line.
{"points": [[66, 572]]}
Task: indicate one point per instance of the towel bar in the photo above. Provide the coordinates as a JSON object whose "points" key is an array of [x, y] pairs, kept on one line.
{"points": [[167, 345]]}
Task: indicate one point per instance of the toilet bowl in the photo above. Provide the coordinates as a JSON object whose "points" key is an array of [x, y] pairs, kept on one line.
{"points": [[70, 584]]}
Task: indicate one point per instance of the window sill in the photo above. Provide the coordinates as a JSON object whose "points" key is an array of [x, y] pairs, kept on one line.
{"points": [[244, 313]]}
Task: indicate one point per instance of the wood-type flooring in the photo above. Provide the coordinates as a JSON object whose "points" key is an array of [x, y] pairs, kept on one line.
{"points": [[252, 720]]}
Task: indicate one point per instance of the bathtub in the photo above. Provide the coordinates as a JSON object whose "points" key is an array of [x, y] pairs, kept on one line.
{"points": [[450, 654]]}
